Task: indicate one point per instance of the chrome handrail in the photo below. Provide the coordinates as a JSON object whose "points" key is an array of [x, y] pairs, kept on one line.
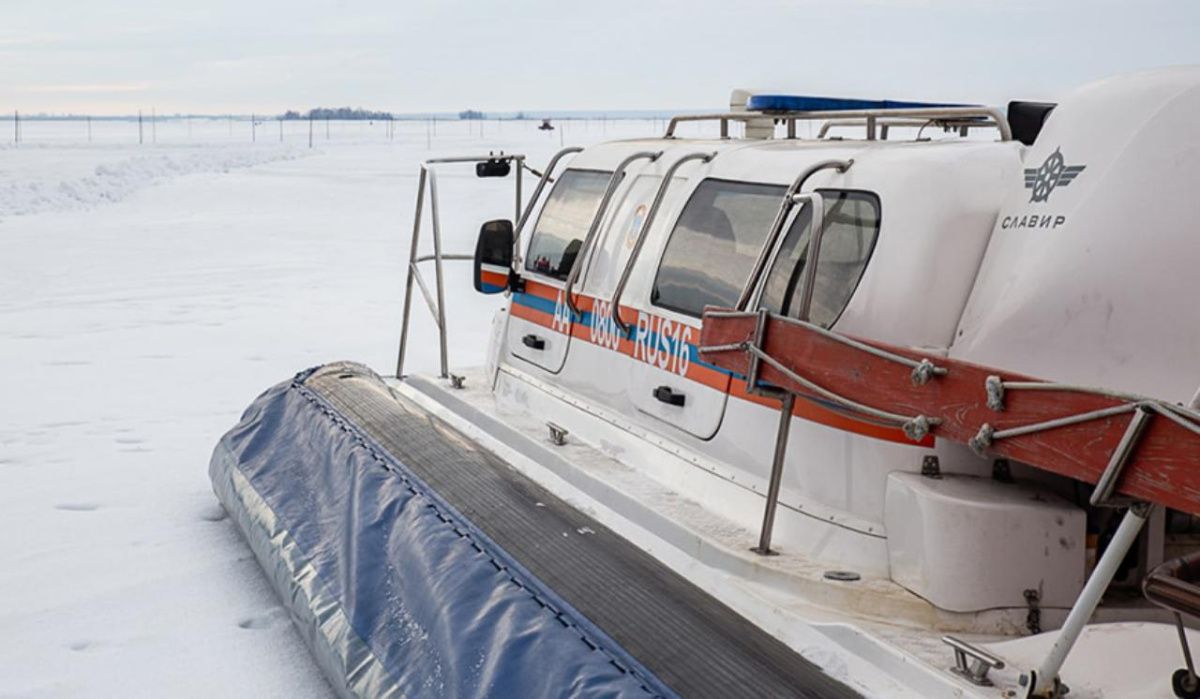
{"points": [[651, 213], [586, 247]]}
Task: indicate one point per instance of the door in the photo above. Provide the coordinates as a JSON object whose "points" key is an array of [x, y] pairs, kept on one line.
{"points": [[540, 324], [706, 261]]}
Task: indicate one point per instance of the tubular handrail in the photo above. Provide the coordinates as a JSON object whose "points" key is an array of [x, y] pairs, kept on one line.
{"points": [[785, 207], [811, 258], [588, 239], [1175, 585], [523, 217], [885, 124], [651, 213], [870, 115], [428, 179]]}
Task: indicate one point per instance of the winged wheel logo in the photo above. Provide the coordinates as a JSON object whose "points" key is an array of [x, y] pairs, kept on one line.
{"points": [[1052, 173]]}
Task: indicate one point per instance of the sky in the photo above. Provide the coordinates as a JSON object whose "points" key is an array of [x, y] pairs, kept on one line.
{"points": [[266, 56]]}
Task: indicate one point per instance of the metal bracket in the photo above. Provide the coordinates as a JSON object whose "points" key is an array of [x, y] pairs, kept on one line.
{"points": [[1102, 496], [558, 434], [457, 381], [1002, 471], [931, 467], [994, 386], [972, 662]]}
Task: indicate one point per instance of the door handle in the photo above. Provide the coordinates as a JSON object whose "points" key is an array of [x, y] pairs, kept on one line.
{"points": [[664, 394], [533, 342]]}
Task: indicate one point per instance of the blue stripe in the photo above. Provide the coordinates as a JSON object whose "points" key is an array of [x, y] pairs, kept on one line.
{"points": [[538, 303]]}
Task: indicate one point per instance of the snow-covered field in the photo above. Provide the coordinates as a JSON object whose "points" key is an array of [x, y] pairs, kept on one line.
{"points": [[147, 294]]}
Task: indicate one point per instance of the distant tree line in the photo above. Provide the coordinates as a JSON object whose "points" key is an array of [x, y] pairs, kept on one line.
{"points": [[471, 114], [340, 113]]}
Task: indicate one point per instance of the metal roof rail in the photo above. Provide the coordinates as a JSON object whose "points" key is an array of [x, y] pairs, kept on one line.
{"points": [[870, 117], [885, 125]]}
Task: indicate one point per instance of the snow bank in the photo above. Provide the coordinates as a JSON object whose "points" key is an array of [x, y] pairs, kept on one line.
{"points": [[113, 181]]}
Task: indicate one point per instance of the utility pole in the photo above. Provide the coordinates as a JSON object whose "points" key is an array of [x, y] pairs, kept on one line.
{"points": [[153, 125], [326, 128], [16, 126], [310, 127], [253, 128], [141, 139], [281, 129]]}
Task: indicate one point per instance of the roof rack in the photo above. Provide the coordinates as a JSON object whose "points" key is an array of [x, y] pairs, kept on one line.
{"points": [[885, 125], [958, 116]]}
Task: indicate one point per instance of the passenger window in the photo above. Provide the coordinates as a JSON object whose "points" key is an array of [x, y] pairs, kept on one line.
{"points": [[714, 245], [851, 227], [564, 222]]}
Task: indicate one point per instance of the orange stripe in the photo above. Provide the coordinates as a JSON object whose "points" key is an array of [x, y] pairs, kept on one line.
{"points": [[808, 410], [804, 409], [495, 278]]}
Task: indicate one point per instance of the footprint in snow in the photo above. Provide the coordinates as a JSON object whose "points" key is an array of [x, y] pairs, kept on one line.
{"points": [[77, 506], [80, 646], [267, 620]]}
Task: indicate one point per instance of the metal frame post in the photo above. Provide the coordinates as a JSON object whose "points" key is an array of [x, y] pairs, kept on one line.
{"points": [[437, 265], [786, 402], [1044, 681], [408, 283], [437, 302]]}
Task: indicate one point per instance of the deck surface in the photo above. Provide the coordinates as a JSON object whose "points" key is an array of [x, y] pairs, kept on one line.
{"points": [[695, 644]]}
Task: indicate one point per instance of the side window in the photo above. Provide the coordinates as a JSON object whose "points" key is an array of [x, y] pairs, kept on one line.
{"points": [[714, 245], [564, 221], [851, 227]]}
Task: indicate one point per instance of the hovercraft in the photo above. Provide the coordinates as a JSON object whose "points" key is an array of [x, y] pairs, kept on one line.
{"points": [[904, 408]]}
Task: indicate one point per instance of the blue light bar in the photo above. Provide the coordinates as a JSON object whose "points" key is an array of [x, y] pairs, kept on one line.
{"points": [[781, 104]]}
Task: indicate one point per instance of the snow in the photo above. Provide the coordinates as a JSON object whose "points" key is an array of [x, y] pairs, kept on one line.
{"points": [[147, 294]]}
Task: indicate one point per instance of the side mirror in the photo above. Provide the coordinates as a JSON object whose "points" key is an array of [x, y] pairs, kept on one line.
{"points": [[493, 256], [493, 167]]}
